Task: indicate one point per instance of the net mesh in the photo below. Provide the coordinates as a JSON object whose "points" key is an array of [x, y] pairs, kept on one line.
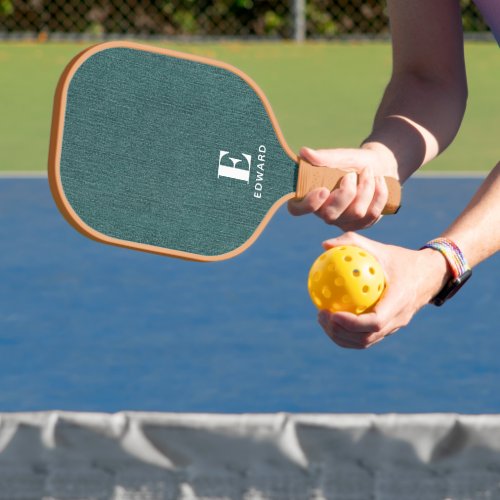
{"points": [[206, 18], [155, 456]]}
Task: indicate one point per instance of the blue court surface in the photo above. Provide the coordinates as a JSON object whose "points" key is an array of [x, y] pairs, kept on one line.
{"points": [[89, 327]]}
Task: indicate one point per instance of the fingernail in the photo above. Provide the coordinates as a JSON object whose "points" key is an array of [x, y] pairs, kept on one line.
{"points": [[324, 194]]}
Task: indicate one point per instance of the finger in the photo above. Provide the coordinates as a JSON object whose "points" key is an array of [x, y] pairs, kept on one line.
{"points": [[382, 320], [380, 197], [348, 338], [353, 341], [373, 339], [392, 311], [356, 216], [311, 203], [341, 340], [362, 340], [359, 341], [340, 199], [358, 209], [357, 224], [342, 336], [344, 344], [393, 332], [375, 209], [374, 342], [362, 324]]}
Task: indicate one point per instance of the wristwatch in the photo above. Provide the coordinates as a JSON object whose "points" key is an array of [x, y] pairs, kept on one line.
{"points": [[460, 270]]}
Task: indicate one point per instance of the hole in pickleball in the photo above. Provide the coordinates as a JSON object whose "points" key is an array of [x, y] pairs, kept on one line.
{"points": [[366, 289], [317, 276], [346, 299], [362, 254], [327, 293], [348, 258], [372, 270], [317, 301], [359, 310], [339, 281], [336, 306], [356, 273], [379, 287]]}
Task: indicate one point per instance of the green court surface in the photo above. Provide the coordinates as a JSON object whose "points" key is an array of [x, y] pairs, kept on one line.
{"points": [[324, 95]]}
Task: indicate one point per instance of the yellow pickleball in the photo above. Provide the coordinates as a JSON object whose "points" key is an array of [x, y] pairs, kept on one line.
{"points": [[346, 278]]}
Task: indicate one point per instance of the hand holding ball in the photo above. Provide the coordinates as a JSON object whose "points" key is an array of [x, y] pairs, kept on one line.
{"points": [[346, 278]]}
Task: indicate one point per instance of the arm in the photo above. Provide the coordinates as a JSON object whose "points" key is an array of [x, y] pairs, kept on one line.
{"points": [[415, 277], [477, 230], [424, 103], [419, 114]]}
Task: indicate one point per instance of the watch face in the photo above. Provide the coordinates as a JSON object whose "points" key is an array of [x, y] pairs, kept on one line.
{"points": [[451, 288]]}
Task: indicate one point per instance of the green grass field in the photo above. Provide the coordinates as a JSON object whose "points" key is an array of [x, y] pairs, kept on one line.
{"points": [[324, 95]]}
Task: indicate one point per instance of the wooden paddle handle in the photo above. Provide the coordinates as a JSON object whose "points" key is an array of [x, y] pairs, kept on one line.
{"points": [[311, 177]]}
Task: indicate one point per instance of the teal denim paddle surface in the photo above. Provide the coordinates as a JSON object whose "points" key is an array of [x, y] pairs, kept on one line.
{"points": [[166, 152]]}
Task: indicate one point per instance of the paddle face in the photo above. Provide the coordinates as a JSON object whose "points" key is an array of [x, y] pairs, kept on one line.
{"points": [[165, 152]]}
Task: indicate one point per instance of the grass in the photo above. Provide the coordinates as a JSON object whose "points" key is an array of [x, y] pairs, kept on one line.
{"points": [[324, 95]]}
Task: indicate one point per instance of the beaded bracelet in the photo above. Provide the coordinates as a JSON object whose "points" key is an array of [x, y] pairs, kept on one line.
{"points": [[452, 254], [459, 267]]}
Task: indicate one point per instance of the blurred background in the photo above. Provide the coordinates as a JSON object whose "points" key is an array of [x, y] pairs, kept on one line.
{"points": [[324, 91], [279, 19], [89, 327]]}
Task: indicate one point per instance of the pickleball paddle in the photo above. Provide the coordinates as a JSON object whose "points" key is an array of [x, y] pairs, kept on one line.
{"points": [[172, 153]]}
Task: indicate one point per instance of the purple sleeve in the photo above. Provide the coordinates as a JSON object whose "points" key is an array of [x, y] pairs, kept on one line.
{"points": [[490, 9]]}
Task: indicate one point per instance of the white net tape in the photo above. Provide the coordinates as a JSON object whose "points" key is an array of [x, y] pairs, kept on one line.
{"points": [[155, 456]]}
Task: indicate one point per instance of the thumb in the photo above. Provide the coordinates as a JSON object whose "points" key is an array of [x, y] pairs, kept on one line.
{"points": [[349, 238], [313, 156], [352, 159]]}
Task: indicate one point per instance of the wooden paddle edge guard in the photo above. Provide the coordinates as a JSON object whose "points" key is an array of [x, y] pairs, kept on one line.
{"points": [[312, 177], [55, 147]]}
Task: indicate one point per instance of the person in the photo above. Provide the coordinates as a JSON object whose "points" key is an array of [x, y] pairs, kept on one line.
{"points": [[418, 117]]}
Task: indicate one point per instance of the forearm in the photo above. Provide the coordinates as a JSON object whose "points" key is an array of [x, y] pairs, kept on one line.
{"points": [[416, 120], [424, 103], [477, 230]]}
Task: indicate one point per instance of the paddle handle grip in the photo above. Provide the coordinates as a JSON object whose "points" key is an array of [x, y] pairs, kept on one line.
{"points": [[311, 177]]}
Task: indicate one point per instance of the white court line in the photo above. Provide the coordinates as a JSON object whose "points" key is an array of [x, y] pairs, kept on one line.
{"points": [[454, 174], [35, 174]]}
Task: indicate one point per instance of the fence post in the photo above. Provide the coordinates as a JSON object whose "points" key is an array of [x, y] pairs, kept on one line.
{"points": [[299, 20]]}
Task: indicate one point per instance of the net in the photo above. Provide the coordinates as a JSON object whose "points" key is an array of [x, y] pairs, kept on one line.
{"points": [[159, 456], [207, 18]]}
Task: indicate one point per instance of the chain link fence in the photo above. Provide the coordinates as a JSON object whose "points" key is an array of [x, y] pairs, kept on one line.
{"points": [[286, 19]]}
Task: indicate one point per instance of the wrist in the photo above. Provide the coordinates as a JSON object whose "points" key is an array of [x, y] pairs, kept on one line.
{"points": [[388, 165], [437, 272]]}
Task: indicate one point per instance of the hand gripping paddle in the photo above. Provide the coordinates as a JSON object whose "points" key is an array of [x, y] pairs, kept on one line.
{"points": [[172, 153]]}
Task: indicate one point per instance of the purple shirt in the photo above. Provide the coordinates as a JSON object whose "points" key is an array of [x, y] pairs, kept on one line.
{"points": [[490, 9]]}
